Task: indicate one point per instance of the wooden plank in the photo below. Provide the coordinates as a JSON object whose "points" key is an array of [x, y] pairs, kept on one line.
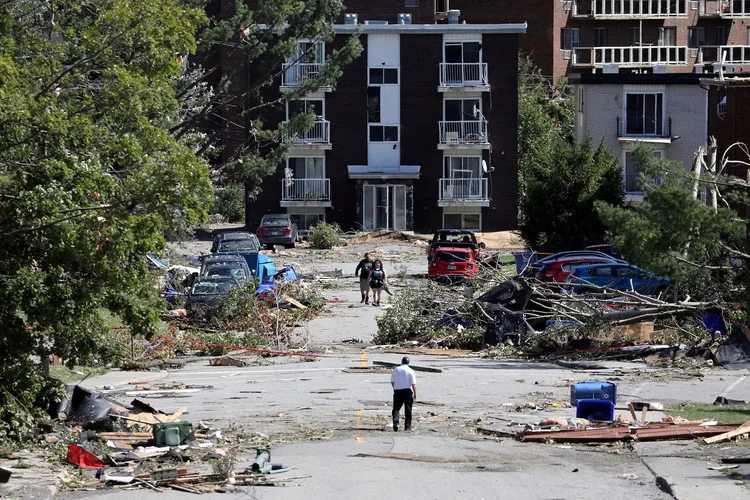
{"points": [[173, 417], [726, 436], [586, 436], [296, 303], [688, 432], [632, 411]]}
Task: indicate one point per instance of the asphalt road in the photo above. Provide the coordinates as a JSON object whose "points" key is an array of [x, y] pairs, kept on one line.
{"points": [[348, 414]]}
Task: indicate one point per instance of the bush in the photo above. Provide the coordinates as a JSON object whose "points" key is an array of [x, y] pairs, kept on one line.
{"points": [[408, 319], [229, 202], [324, 235]]}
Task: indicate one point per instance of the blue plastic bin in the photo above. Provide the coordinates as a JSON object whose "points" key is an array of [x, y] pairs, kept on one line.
{"points": [[523, 259], [593, 390], [595, 409], [714, 323]]}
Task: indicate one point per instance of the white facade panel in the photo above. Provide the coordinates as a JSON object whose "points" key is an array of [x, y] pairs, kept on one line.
{"points": [[390, 104], [463, 37], [383, 50], [385, 154]]}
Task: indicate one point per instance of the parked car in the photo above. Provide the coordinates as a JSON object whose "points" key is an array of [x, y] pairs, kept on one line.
{"points": [[229, 271], [533, 268], [225, 242], [224, 260], [604, 248], [558, 270], [452, 264], [624, 277], [277, 229], [206, 293], [454, 238]]}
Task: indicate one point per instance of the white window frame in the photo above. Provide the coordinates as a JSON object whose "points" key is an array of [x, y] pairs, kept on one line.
{"points": [[661, 42], [446, 43], [477, 119], [321, 99], [398, 128], [658, 154], [661, 91], [306, 158], [398, 76], [447, 169], [570, 38], [463, 222], [700, 33]]}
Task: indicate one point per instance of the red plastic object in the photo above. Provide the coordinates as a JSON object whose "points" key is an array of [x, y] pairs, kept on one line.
{"points": [[82, 458]]}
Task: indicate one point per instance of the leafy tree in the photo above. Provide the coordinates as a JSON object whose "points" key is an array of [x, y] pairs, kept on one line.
{"points": [[91, 178], [675, 234]]}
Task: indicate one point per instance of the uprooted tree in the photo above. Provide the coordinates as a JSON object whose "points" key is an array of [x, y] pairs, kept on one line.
{"points": [[561, 178], [106, 137]]}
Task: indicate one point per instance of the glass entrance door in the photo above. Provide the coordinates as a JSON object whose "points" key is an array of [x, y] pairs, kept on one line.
{"points": [[384, 207]]}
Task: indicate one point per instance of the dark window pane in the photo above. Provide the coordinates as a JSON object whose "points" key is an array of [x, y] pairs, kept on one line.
{"points": [[376, 75], [453, 53], [296, 107], [376, 133], [390, 134], [390, 76], [453, 110], [315, 107], [471, 52], [373, 104]]}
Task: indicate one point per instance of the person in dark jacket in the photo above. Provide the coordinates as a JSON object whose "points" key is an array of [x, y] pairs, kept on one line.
{"points": [[363, 271], [377, 281]]}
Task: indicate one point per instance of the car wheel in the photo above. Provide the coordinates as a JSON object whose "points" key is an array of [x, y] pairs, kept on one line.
{"points": [[291, 245]]}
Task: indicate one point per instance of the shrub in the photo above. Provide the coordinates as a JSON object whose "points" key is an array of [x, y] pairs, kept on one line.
{"points": [[229, 202], [324, 235]]}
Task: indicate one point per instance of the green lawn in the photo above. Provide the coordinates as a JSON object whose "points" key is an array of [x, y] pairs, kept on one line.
{"points": [[76, 375], [731, 414]]}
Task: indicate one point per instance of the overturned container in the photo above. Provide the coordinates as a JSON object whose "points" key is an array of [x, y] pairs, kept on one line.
{"points": [[593, 390]]}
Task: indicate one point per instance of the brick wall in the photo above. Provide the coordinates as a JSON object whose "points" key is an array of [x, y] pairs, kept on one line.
{"points": [[735, 127], [388, 10]]}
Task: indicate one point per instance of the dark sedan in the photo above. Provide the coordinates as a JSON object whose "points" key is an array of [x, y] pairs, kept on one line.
{"points": [[277, 229], [206, 294]]}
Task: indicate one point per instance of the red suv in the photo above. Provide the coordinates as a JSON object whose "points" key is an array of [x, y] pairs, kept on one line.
{"points": [[558, 270], [453, 264]]}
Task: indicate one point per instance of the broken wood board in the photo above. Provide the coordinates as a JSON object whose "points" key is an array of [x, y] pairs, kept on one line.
{"points": [[681, 432], [727, 435], [636, 332], [496, 432], [367, 369], [585, 436], [621, 433], [416, 458], [415, 368], [296, 303], [227, 361]]}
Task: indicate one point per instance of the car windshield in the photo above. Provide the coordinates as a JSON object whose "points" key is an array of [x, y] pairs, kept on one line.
{"points": [[246, 245], [212, 288], [452, 256], [275, 221], [237, 273]]}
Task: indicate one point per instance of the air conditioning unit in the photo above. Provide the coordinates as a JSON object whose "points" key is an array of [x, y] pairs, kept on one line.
{"points": [[567, 54], [693, 52], [350, 18], [568, 5], [451, 137], [693, 5], [404, 19]]}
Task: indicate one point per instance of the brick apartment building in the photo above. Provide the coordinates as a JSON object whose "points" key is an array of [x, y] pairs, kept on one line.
{"points": [[419, 134]]}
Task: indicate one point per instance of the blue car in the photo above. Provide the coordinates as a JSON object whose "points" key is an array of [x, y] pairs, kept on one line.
{"points": [[624, 277]]}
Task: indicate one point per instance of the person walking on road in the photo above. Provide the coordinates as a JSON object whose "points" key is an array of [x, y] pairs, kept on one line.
{"points": [[377, 281], [363, 271], [404, 383]]}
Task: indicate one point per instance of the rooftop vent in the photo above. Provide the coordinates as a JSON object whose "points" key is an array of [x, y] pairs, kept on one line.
{"points": [[376, 22], [404, 19], [453, 16], [350, 18]]}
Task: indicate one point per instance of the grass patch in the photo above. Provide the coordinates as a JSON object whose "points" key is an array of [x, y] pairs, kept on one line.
{"points": [[731, 414], [77, 374]]}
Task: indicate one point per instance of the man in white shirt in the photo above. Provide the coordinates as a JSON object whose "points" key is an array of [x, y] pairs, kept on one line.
{"points": [[403, 382]]}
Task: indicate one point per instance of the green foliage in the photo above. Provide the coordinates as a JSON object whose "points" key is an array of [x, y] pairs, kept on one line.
{"points": [[409, 318], [674, 234], [560, 178], [229, 202], [324, 235], [91, 179]]}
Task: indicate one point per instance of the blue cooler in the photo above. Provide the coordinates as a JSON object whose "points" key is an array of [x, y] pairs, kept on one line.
{"points": [[593, 390], [596, 409]]}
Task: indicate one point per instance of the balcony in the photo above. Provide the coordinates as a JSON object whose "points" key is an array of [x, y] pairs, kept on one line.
{"points": [[725, 9], [646, 129], [629, 9], [294, 74], [736, 54], [306, 192], [630, 56], [463, 77], [464, 134], [318, 137], [463, 192]]}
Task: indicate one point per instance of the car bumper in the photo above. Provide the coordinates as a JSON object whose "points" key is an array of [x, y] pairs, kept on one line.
{"points": [[276, 240]]}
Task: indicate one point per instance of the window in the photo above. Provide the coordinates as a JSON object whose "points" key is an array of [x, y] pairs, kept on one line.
{"points": [[373, 104], [630, 174], [644, 114], [311, 167], [635, 35], [463, 167], [696, 37], [383, 76], [569, 38], [721, 35], [411, 3], [306, 221], [463, 221], [300, 106], [457, 110], [668, 37], [601, 37], [383, 133]]}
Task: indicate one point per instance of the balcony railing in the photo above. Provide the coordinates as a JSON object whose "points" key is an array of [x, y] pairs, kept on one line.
{"points": [[648, 127], [320, 133], [463, 189], [464, 132], [295, 74], [463, 74], [728, 8], [736, 54], [630, 9], [630, 56], [306, 190]]}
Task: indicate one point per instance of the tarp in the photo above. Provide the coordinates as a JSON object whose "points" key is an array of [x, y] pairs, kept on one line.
{"points": [[734, 354]]}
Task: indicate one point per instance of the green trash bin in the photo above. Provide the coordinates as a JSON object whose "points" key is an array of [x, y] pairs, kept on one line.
{"points": [[172, 433]]}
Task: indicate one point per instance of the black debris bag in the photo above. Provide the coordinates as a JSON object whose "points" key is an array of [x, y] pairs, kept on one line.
{"points": [[734, 353]]}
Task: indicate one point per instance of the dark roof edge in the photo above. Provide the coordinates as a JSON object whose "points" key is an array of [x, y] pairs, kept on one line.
{"points": [[642, 79]]}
